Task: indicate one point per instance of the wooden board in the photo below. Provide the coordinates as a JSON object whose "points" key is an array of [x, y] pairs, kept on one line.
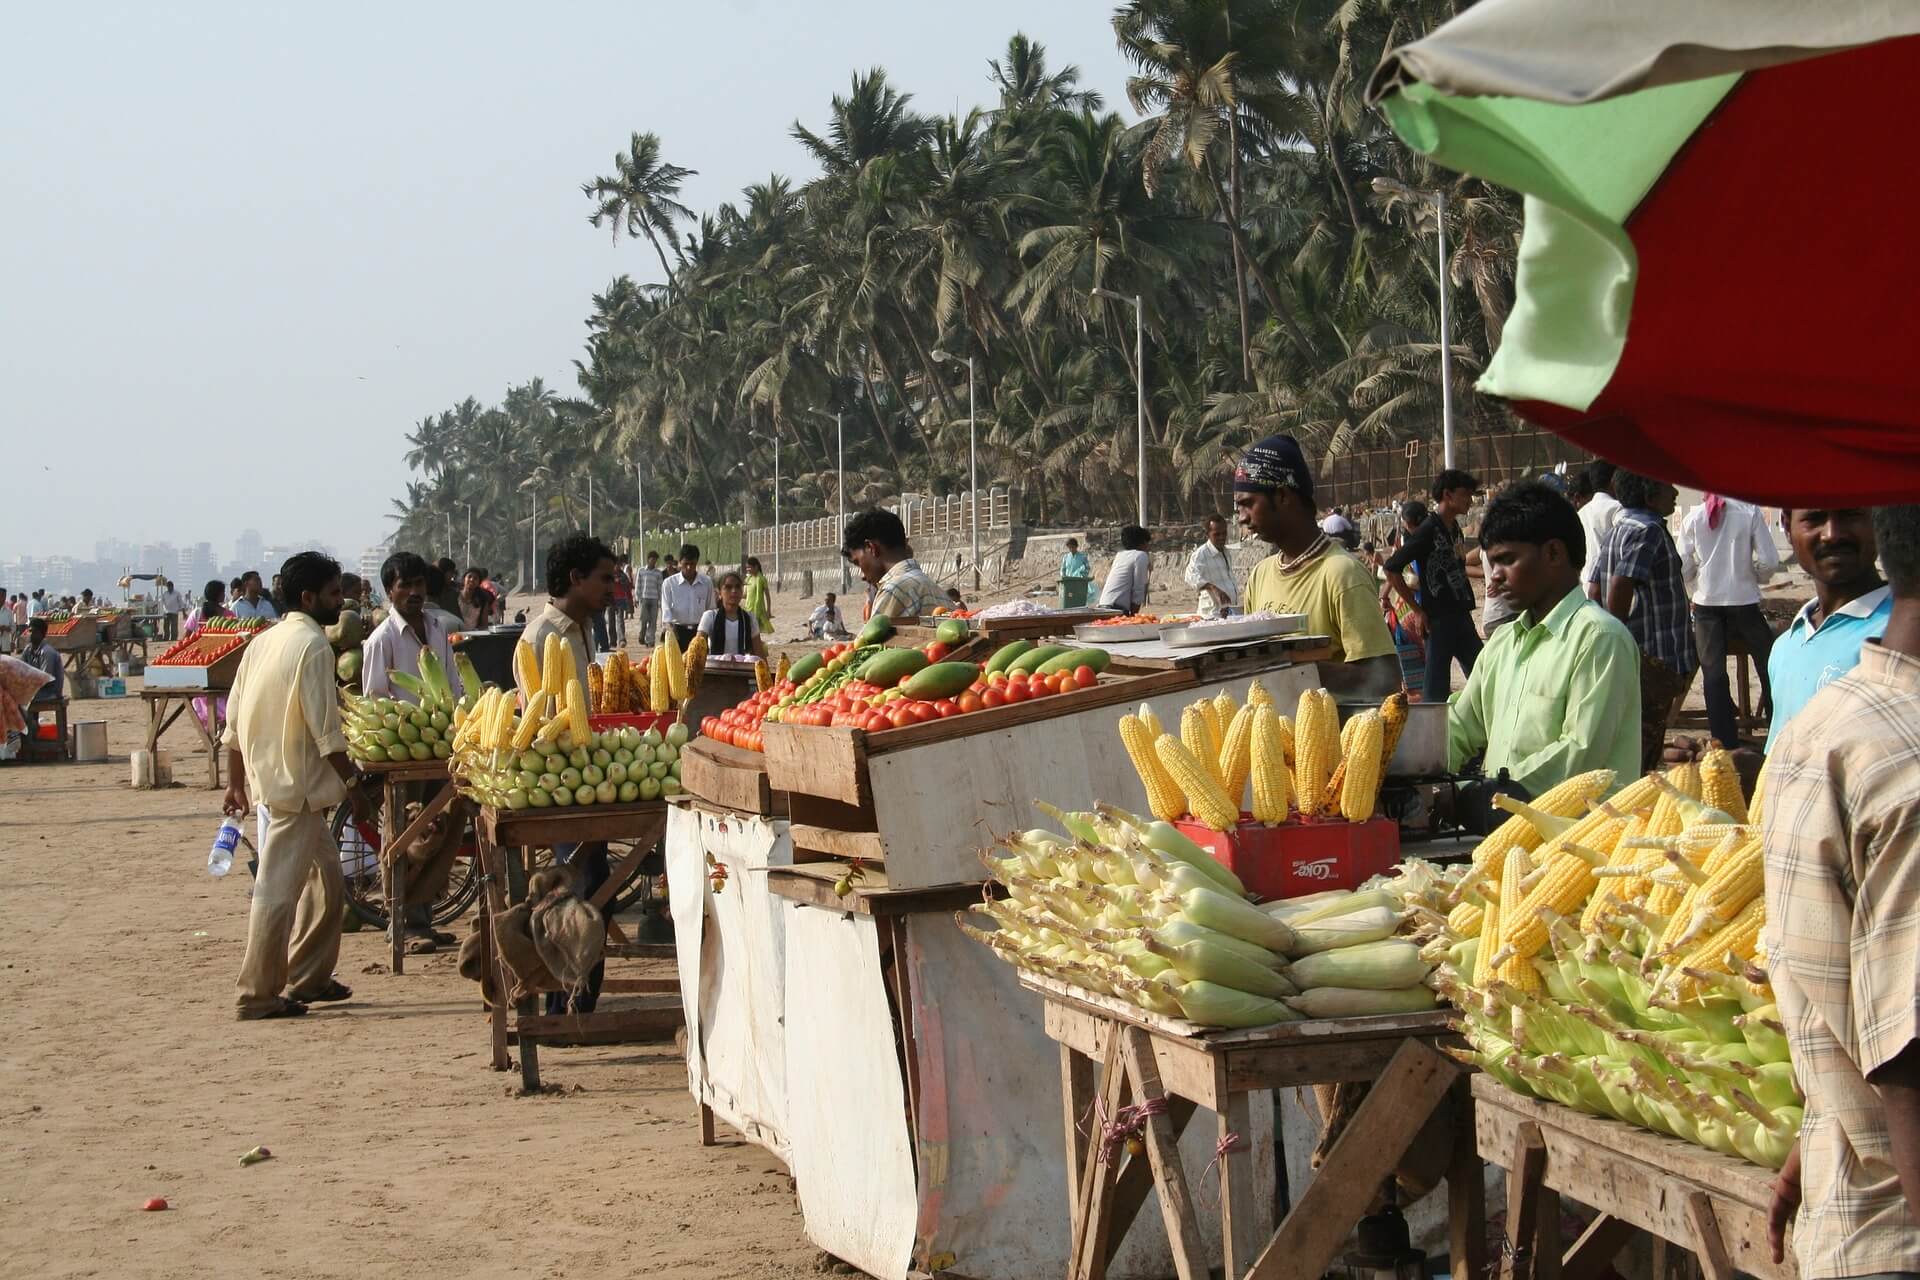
{"points": [[812, 883], [404, 771], [728, 776], [818, 762], [1027, 626], [828, 842], [525, 827], [1645, 1178], [1214, 1039]]}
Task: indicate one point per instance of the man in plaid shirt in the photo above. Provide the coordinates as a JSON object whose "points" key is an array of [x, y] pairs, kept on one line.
{"points": [[1638, 576], [1843, 945]]}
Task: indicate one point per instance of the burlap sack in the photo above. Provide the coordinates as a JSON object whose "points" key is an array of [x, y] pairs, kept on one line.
{"points": [[513, 935], [473, 965], [570, 934]]}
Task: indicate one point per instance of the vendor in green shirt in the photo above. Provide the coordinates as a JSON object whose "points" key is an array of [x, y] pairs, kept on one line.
{"points": [[1556, 692]]}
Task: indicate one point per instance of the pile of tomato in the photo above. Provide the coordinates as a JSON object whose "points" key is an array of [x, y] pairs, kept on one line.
{"points": [[739, 725]]}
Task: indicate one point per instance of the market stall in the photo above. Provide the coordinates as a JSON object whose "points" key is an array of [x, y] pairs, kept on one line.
{"points": [[193, 677]]}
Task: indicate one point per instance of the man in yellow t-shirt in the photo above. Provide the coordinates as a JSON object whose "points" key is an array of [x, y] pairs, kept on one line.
{"points": [[1308, 573]]}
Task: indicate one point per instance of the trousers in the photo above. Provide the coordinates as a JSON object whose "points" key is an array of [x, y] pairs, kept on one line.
{"points": [[1450, 636], [293, 928], [1660, 687], [649, 621], [1712, 626]]}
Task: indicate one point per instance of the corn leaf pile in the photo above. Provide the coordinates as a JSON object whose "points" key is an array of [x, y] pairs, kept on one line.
{"points": [[1129, 907], [1606, 957]]}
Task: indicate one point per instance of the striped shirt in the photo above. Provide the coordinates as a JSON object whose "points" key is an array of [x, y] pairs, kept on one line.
{"points": [[905, 591], [1639, 549], [1843, 950]]}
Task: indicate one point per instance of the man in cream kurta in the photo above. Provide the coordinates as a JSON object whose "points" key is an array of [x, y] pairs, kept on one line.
{"points": [[286, 749]]}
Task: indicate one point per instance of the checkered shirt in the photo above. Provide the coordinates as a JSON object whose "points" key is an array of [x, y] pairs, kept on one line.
{"points": [[905, 591], [1639, 548], [1843, 947]]}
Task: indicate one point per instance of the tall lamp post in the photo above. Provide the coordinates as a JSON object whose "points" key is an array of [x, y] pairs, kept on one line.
{"points": [[1391, 187], [640, 508], [840, 490], [775, 436], [469, 535], [1140, 388], [532, 485], [973, 465]]}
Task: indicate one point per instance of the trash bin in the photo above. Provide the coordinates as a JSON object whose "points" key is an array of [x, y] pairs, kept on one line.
{"points": [[491, 652], [1073, 592]]}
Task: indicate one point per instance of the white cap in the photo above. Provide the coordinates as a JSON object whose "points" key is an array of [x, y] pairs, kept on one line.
{"points": [[1336, 524]]}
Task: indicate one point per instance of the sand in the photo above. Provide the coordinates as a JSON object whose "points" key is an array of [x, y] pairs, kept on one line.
{"points": [[397, 1151]]}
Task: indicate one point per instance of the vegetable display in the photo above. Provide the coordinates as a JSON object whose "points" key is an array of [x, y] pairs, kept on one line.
{"points": [[1128, 907], [392, 730], [1606, 956]]}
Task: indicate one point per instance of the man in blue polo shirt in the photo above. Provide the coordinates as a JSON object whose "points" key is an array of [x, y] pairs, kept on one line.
{"points": [[1850, 605]]}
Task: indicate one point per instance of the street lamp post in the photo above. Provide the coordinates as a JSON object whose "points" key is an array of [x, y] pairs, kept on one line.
{"points": [[469, 535], [532, 485], [640, 508], [589, 504], [840, 463], [1390, 187], [973, 466], [776, 499], [1140, 388]]}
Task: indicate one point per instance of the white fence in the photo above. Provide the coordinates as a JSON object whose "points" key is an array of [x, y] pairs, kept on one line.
{"points": [[925, 518]]}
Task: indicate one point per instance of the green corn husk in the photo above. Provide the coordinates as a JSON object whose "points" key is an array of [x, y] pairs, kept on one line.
{"points": [[1385, 965], [1369, 924]]}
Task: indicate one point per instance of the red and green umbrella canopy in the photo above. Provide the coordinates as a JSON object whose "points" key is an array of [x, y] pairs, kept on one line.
{"points": [[1719, 277]]}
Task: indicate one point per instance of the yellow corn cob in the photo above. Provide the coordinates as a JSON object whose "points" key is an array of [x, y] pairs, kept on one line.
{"points": [[1515, 868], [500, 735], [762, 676], [1614, 889], [526, 666], [660, 691], [597, 687], [780, 671], [1316, 746], [1205, 799], [1224, 709], [1466, 920], [1150, 720], [1361, 789], [639, 681], [1236, 754], [530, 722], [1393, 720], [1489, 941], [1257, 695], [1720, 784], [676, 666], [477, 719], [620, 682], [694, 664], [1164, 800], [1568, 799], [1211, 714], [1759, 790], [1197, 735], [1735, 880], [1667, 819], [1271, 780], [1329, 806], [577, 714], [1739, 937], [1567, 881], [552, 666]]}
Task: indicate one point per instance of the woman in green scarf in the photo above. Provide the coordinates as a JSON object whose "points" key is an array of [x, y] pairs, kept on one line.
{"points": [[759, 598]]}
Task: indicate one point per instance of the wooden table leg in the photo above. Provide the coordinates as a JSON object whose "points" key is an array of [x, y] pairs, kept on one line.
{"points": [[1076, 1102], [517, 863], [1088, 1259], [706, 1125], [1240, 1236], [395, 872], [209, 736], [1466, 1193], [1525, 1193], [1169, 1179], [493, 903]]}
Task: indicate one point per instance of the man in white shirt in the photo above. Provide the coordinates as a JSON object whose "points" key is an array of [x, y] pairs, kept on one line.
{"points": [[411, 628], [686, 596], [646, 595], [1126, 588], [1726, 552], [172, 605], [1592, 494], [1210, 572], [251, 603], [825, 623]]}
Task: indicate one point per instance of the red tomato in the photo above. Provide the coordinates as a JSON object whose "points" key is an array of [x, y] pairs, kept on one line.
{"points": [[997, 679], [970, 700], [900, 717], [946, 707], [1041, 689], [1086, 677], [993, 698], [937, 652], [723, 733], [922, 712], [1018, 693]]}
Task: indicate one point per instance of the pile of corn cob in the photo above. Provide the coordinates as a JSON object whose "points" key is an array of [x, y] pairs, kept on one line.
{"points": [[1128, 907], [1606, 956], [394, 730], [1309, 767], [619, 686]]}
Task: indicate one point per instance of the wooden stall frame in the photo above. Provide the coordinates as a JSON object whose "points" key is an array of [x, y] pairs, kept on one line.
{"points": [[160, 718], [393, 777]]}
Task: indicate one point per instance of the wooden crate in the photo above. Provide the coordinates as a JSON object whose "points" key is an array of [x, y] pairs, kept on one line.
{"points": [[730, 777]]}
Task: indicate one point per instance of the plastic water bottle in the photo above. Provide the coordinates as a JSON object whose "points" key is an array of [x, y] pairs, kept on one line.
{"points": [[220, 858]]}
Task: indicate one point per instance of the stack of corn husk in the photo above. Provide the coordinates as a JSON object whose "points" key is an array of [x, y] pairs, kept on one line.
{"points": [[1606, 955], [1127, 906]]}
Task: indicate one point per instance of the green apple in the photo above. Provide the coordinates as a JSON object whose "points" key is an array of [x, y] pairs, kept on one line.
{"points": [[549, 781], [554, 762], [606, 793], [592, 775], [643, 756], [658, 769], [570, 778], [443, 750], [668, 753], [429, 735], [670, 786], [565, 740], [526, 778], [517, 798], [563, 797], [603, 758], [623, 756], [440, 721], [616, 773], [629, 737], [649, 788], [580, 757], [539, 798], [652, 738], [409, 733], [420, 751], [673, 770], [629, 792], [677, 734], [583, 794]]}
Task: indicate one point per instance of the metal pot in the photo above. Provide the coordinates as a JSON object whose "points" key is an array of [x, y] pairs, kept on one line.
{"points": [[1422, 751]]}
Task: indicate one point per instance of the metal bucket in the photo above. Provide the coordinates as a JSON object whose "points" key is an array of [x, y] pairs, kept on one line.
{"points": [[89, 740], [1422, 751]]}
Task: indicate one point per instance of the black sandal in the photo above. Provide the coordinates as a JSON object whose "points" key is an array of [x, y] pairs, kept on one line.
{"points": [[334, 990], [285, 1009]]}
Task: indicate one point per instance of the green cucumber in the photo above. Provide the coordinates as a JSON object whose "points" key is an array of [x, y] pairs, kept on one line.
{"points": [[941, 680], [890, 666], [875, 632], [1072, 658], [1000, 660], [1034, 657], [951, 632], [800, 670]]}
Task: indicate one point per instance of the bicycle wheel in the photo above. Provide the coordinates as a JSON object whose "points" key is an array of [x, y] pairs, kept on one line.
{"points": [[366, 890]]}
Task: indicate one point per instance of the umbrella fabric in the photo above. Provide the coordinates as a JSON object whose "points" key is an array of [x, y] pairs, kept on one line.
{"points": [[1714, 279]]}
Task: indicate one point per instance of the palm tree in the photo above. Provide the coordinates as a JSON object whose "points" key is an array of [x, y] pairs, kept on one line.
{"points": [[641, 196]]}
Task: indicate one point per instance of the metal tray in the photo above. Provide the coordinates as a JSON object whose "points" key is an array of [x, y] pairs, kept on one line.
{"points": [[1195, 637], [1117, 635]]}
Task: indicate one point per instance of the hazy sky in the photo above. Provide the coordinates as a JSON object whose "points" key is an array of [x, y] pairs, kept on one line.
{"points": [[244, 247]]}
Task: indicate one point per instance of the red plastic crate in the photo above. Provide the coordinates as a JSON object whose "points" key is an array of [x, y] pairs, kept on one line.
{"points": [[1302, 857]]}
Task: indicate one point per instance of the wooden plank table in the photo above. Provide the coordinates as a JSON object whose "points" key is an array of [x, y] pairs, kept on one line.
{"points": [[1166, 1068], [506, 842], [393, 779], [164, 707], [1680, 1194]]}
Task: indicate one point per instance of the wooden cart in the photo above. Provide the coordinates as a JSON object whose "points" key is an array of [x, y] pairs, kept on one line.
{"points": [[507, 839], [1168, 1068], [393, 780], [1681, 1194], [165, 705]]}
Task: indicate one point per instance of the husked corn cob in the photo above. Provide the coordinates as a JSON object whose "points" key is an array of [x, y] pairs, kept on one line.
{"points": [[660, 691], [1267, 760], [529, 722], [1612, 889], [1329, 804], [597, 686], [676, 666], [1720, 785], [1515, 870], [1393, 721], [1739, 938], [1257, 695], [1205, 798], [1568, 799], [1198, 736], [1489, 940], [1152, 721], [638, 687], [1759, 791], [1567, 865], [1316, 746], [762, 676], [1361, 789], [1284, 726], [526, 666], [1164, 798], [500, 732], [553, 677], [577, 714], [1224, 708], [1236, 753], [695, 664], [1735, 881], [1466, 920], [1667, 819]]}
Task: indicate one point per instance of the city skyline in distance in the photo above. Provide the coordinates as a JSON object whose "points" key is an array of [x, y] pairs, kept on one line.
{"points": [[189, 565]]}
